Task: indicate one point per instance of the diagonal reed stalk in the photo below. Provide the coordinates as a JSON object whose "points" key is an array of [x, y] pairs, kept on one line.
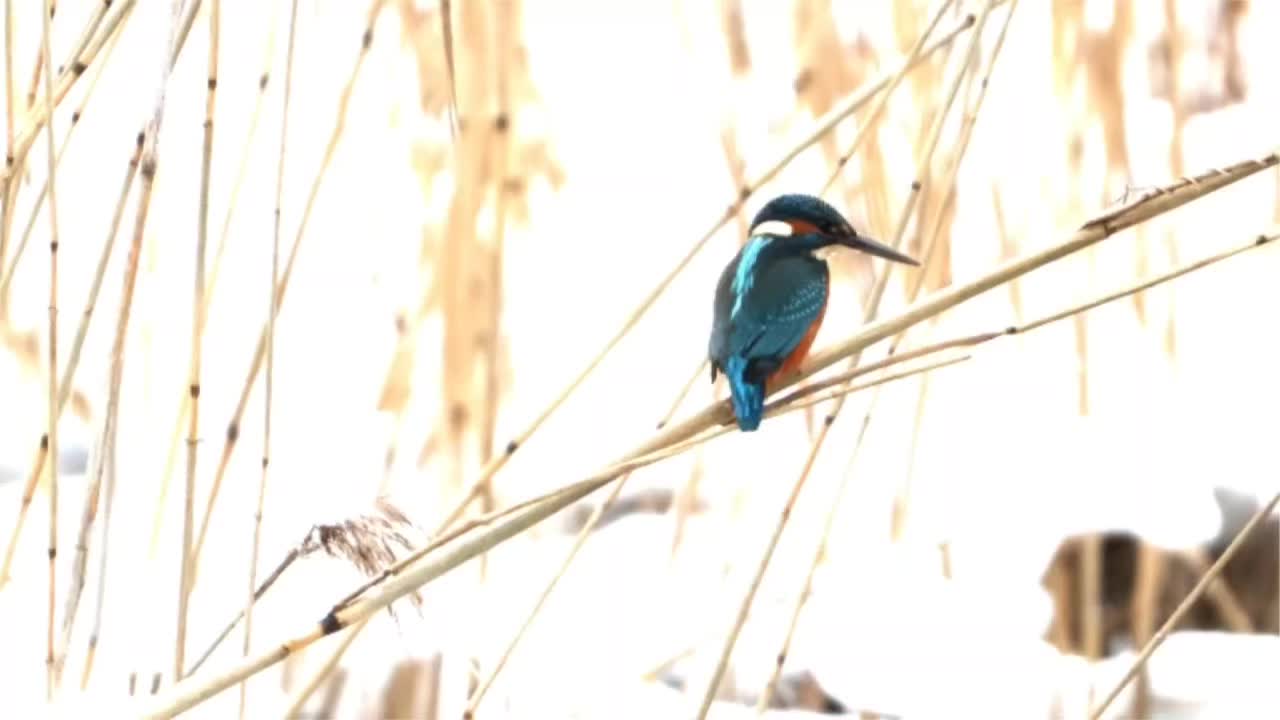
{"points": [[50, 673], [1185, 606], [308, 688], [272, 309], [68, 374], [184, 406], [474, 701], [40, 115], [560, 499], [6, 196], [1161, 200], [19, 250], [820, 129], [106, 453], [106, 463], [233, 427], [198, 301], [872, 309]]}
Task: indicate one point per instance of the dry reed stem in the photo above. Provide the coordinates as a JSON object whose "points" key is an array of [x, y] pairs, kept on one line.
{"points": [[1159, 201], [269, 380], [108, 459], [8, 93], [111, 417], [744, 608], [968, 122], [197, 301], [197, 321], [684, 393], [40, 116], [184, 405], [51, 675], [807, 589], [364, 541], [111, 35], [503, 126], [150, 160], [821, 128], [873, 118], [233, 427], [474, 702], [6, 195], [796, 400], [1156, 202], [446, 29], [313, 681], [1233, 614], [86, 34], [531, 512], [37, 71], [1185, 606], [90, 512]]}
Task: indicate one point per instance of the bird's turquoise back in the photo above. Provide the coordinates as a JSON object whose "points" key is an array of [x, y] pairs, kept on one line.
{"points": [[767, 300]]}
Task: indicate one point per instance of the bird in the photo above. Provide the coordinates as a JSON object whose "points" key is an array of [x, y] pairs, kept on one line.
{"points": [[771, 297]]}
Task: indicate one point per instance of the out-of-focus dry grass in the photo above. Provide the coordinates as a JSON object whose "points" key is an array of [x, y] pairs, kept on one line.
{"points": [[449, 286]]}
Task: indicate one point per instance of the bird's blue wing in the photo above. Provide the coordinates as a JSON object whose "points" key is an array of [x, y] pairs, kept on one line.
{"points": [[784, 300]]}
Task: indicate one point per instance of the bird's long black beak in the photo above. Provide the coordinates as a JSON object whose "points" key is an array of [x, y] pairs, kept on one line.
{"points": [[871, 247]]}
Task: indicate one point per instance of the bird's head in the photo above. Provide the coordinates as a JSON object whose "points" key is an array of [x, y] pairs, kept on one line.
{"points": [[819, 225]]}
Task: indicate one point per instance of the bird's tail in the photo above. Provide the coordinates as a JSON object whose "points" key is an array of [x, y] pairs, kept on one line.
{"points": [[748, 397]]}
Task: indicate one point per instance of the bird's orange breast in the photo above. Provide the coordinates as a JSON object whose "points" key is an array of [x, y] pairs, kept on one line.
{"points": [[797, 356]]}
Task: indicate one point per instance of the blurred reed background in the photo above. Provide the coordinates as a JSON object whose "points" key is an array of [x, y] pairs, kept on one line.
{"points": [[472, 208]]}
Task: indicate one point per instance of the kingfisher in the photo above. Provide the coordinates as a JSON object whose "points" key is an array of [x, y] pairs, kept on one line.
{"points": [[772, 296]]}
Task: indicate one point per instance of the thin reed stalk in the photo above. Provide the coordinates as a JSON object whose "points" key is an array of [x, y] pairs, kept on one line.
{"points": [[269, 380], [780, 660], [199, 286], [40, 115], [184, 406], [1187, 603], [304, 693], [50, 673], [233, 427], [90, 512], [6, 208], [6, 277], [197, 320], [151, 158], [106, 456], [474, 702]]}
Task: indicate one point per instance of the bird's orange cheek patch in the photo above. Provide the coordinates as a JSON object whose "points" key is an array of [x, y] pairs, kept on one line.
{"points": [[802, 227]]}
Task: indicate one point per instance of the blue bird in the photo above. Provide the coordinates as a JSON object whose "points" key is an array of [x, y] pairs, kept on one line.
{"points": [[772, 296]]}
